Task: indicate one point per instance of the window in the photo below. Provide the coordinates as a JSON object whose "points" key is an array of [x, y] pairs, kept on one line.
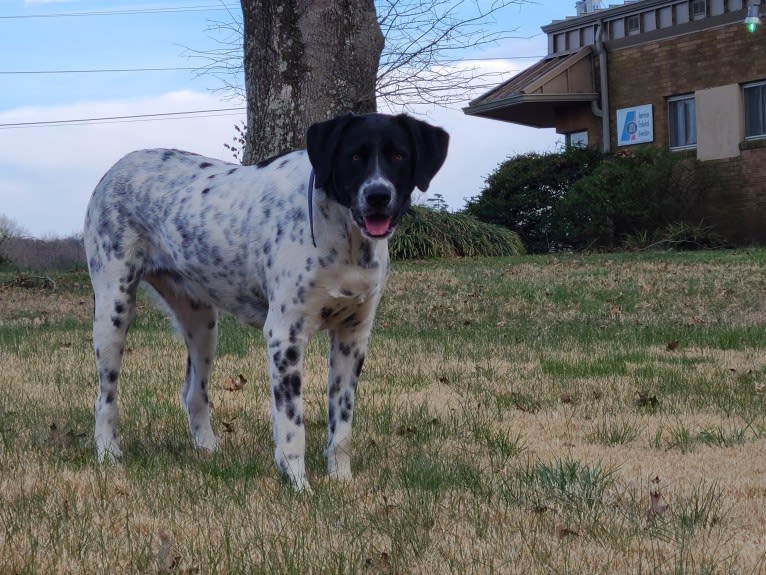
{"points": [[633, 24], [755, 110], [682, 122], [577, 139], [699, 8]]}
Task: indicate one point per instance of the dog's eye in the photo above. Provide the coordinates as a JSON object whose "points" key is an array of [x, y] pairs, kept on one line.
{"points": [[356, 158], [397, 156]]}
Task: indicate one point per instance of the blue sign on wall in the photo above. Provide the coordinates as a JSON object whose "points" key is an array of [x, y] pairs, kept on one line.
{"points": [[635, 125]]}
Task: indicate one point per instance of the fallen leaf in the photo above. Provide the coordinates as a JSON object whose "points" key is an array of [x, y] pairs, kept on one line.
{"points": [[645, 400], [657, 504], [232, 384], [561, 531], [228, 426], [167, 559]]}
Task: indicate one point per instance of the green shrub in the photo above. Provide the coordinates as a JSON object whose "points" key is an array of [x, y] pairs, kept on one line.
{"points": [[676, 236], [523, 192], [428, 233], [627, 194], [583, 199]]}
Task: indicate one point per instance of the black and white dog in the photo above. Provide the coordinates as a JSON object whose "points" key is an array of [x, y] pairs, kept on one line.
{"points": [[293, 245]]}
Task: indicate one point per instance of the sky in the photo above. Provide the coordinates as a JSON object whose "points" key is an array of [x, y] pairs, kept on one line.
{"points": [[48, 171]]}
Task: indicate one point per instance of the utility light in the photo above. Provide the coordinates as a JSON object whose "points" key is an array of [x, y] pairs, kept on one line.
{"points": [[752, 20]]}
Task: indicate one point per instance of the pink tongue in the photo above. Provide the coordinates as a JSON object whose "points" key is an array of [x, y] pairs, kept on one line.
{"points": [[377, 226]]}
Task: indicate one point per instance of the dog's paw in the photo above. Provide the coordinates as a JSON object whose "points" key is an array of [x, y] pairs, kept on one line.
{"points": [[339, 464], [205, 440], [293, 469], [108, 451]]}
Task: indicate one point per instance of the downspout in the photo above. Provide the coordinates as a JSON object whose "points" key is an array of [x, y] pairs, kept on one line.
{"points": [[602, 110]]}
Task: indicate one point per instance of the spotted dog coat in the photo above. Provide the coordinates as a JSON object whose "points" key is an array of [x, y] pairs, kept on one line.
{"points": [[209, 236]]}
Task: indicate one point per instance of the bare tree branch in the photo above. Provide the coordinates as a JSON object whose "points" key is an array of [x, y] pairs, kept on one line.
{"points": [[423, 59]]}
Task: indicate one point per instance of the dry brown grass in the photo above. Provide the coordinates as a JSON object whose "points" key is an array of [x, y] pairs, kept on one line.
{"points": [[514, 417]]}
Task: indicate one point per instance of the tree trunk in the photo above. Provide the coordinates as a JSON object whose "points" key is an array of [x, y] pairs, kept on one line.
{"points": [[305, 61]]}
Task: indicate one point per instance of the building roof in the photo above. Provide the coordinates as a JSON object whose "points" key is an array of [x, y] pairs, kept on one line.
{"points": [[534, 96]]}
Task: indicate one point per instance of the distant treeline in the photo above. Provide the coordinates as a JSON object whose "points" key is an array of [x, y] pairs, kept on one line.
{"points": [[43, 254]]}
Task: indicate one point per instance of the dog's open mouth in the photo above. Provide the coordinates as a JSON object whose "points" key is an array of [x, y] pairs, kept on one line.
{"points": [[377, 226]]}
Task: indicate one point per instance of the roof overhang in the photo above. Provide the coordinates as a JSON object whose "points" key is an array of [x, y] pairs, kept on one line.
{"points": [[537, 95], [536, 110]]}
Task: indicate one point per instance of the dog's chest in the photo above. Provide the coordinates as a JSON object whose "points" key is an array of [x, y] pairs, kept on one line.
{"points": [[347, 294]]}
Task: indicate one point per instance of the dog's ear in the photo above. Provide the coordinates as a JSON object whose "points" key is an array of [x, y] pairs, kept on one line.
{"points": [[322, 141], [430, 149]]}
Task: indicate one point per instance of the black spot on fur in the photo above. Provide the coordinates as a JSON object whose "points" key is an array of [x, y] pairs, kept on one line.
{"points": [[204, 165], [117, 322], [335, 387], [112, 376], [359, 364], [119, 307], [206, 190], [211, 325], [293, 382], [345, 415], [230, 172], [327, 312], [345, 349], [110, 397], [291, 355]]}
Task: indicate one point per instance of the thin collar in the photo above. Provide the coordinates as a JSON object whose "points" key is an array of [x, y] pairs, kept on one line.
{"points": [[311, 206]]}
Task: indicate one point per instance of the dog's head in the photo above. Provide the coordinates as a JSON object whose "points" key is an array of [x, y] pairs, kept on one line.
{"points": [[372, 163]]}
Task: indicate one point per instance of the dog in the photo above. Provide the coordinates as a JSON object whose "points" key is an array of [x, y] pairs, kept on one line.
{"points": [[292, 245]]}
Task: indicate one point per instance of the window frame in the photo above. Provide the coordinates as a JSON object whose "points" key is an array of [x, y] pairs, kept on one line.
{"points": [[582, 141], [672, 106], [761, 88]]}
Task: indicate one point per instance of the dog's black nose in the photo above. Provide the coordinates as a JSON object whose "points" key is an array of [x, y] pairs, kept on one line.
{"points": [[377, 196]]}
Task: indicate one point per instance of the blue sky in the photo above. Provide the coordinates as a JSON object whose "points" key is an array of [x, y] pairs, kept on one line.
{"points": [[48, 173]]}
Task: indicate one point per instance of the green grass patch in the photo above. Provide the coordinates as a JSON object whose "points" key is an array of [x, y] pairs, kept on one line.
{"points": [[546, 414]]}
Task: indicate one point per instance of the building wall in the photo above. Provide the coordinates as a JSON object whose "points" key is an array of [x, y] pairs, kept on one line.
{"points": [[712, 64]]}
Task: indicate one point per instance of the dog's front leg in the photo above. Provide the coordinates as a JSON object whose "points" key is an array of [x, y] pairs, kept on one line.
{"points": [[286, 345], [348, 347]]}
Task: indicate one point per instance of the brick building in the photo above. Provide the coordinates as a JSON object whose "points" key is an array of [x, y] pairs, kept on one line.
{"points": [[682, 74]]}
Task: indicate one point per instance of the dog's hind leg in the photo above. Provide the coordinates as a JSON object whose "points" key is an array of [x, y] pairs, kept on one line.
{"points": [[199, 325], [114, 285]]}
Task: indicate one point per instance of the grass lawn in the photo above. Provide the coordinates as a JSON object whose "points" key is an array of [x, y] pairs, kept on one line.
{"points": [[539, 414]]}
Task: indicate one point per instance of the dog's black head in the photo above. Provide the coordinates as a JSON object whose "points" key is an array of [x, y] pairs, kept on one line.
{"points": [[372, 163]]}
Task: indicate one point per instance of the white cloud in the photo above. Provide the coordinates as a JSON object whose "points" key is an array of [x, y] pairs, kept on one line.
{"points": [[49, 173]]}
